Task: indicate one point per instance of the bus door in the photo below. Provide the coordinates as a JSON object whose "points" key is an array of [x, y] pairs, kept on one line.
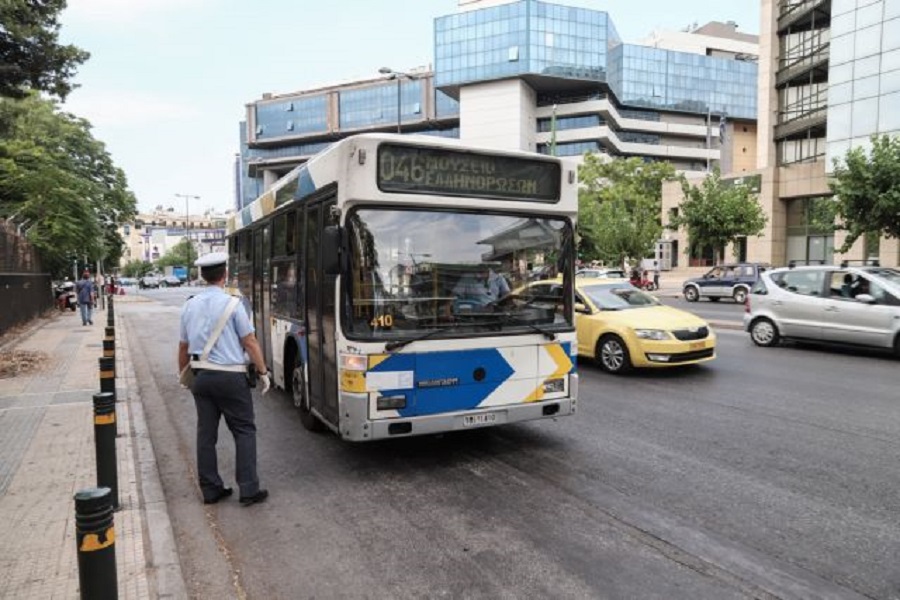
{"points": [[261, 290], [320, 316]]}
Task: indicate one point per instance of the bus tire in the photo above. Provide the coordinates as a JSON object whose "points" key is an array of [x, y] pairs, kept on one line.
{"points": [[301, 398]]}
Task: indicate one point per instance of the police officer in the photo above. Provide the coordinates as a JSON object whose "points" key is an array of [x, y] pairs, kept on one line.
{"points": [[221, 386]]}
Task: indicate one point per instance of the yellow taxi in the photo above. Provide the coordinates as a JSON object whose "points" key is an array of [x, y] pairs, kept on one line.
{"points": [[623, 327]]}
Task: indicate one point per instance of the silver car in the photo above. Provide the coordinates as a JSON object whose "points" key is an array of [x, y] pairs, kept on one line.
{"points": [[841, 304]]}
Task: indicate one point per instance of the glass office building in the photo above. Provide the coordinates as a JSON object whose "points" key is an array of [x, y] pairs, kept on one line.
{"points": [[503, 73], [829, 81]]}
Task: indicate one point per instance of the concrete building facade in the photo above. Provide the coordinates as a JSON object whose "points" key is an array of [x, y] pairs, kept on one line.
{"points": [[151, 235]]}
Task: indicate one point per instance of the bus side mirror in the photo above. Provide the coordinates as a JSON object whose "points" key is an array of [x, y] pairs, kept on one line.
{"points": [[331, 250]]}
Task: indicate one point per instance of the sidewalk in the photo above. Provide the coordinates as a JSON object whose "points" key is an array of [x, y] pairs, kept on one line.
{"points": [[47, 454]]}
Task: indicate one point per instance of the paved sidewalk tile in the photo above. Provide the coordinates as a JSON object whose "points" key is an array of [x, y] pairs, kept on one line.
{"points": [[47, 454]]}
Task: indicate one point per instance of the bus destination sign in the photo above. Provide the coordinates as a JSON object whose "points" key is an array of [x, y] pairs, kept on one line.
{"points": [[418, 170]]}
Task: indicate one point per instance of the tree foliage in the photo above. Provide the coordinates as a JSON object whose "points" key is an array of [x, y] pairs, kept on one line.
{"points": [[136, 268], [619, 206], [61, 183], [718, 213], [181, 254], [30, 55], [867, 190]]}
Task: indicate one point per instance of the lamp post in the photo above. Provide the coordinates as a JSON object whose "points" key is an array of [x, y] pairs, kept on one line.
{"points": [[187, 216], [392, 74]]}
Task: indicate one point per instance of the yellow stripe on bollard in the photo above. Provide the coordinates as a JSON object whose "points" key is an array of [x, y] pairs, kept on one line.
{"points": [[109, 419], [92, 543], [107, 374]]}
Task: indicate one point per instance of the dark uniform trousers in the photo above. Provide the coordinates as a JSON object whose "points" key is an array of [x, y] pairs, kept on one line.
{"points": [[218, 393]]}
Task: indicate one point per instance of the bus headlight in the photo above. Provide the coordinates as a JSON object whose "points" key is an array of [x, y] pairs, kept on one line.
{"points": [[353, 373], [391, 402], [354, 362], [552, 386]]}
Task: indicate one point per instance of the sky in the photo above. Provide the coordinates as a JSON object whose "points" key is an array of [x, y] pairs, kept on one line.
{"points": [[168, 80]]}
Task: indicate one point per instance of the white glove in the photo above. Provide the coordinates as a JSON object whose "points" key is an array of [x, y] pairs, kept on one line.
{"points": [[265, 383]]}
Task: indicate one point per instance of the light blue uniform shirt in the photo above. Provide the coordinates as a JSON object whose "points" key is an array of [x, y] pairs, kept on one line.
{"points": [[198, 319]]}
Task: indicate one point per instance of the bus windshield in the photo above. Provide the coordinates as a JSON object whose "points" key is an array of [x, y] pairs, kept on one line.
{"points": [[413, 272]]}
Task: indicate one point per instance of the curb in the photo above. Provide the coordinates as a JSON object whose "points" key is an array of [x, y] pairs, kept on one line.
{"points": [[164, 565]]}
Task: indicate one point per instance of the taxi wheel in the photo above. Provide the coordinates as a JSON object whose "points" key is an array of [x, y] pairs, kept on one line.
{"points": [[764, 333], [301, 399], [612, 355]]}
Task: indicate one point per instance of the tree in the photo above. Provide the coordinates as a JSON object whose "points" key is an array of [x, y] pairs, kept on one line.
{"points": [[30, 57], [867, 190], [136, 268], [619, 206], [181, 254], [718, 213], [60, 183]]}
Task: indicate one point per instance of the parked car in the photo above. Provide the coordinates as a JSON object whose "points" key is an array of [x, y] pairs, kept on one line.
{"points": [[599, 273], [622, 327], [857, 306], [148, 281], [724, 281], [170, 281]]}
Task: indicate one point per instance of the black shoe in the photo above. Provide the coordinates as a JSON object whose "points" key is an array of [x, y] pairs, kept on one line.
{"points": [[223, 493], [258, 497]]}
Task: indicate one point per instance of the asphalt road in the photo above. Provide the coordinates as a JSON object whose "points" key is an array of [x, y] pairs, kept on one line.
{"points": [[766, 473]]}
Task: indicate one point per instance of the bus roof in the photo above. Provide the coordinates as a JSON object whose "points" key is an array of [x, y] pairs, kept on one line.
{"points": [[322, 169]]}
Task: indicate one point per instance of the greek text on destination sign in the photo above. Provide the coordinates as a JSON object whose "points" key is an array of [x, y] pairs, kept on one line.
{"points": [[422, 170]]}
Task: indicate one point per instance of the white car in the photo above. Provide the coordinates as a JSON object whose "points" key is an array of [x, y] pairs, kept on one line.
{"points": [[858, 306], [598, 273]]}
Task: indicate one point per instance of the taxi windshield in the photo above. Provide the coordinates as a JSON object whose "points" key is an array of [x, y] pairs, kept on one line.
{"points": [[617, 296]]}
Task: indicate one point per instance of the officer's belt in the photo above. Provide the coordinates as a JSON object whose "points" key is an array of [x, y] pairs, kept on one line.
{"points": [[205, 365]]}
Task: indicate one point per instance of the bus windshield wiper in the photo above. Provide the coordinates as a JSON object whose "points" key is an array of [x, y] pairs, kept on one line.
{"points": [[507, 319], [398, 344]]}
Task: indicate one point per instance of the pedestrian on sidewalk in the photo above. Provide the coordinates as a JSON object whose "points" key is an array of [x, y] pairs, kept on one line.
{"points": [[221, 385], [85, 290], [655, 275]]}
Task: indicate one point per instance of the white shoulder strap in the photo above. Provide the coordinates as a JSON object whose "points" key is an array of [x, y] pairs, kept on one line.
{"points": [[219, 327]]}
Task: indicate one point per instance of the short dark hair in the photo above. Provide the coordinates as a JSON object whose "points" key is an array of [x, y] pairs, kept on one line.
{"points": [[213, 274]]}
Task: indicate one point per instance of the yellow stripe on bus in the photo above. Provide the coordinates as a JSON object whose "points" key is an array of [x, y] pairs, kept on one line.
{"points": [[353, 381]]}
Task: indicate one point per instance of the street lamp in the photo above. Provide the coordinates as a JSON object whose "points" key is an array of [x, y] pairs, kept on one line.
{"points": [[392, 74], [187, 215]]}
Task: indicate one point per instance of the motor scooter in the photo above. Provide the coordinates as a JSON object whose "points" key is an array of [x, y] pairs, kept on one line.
{"points": [[66, 296], [641, 281]]}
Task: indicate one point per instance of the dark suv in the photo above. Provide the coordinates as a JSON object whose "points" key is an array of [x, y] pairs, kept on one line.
{"points": [[724, 281]]}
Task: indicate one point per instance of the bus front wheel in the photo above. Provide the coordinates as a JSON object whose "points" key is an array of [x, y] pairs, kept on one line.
{"points": [[300, 394]]}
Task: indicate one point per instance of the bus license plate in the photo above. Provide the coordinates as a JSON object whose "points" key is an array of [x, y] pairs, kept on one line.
{"points": [[482, 419]]}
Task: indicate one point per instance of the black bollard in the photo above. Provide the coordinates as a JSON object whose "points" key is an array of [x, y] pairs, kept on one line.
{"points": [[105, 444], [109, 343], [108, 375], [110, 313], [95, 536]]}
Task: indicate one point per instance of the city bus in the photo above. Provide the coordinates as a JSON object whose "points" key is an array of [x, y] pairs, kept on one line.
{"points": [[358, 269]]}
